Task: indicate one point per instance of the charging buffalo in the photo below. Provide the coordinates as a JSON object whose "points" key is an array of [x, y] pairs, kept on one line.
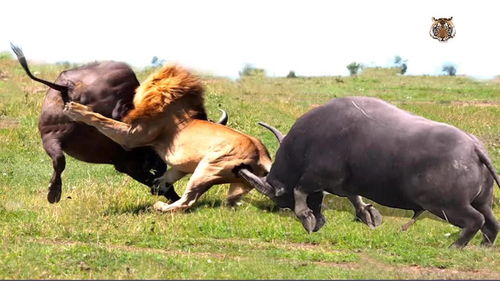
{"points": [[365, 146], [108, 88]]}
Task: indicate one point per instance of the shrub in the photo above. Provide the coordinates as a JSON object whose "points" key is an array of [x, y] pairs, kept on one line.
{"points": [[449, 69], [249, 70], [291, 74], [354, 68], [157, 62], [401, 64]]}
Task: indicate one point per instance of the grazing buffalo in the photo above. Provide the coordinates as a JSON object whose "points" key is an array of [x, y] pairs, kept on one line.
{"points": [[108, 88], [365, 146]]}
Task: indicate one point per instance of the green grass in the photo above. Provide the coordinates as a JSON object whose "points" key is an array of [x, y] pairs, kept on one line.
{"points": [[105, 228]]}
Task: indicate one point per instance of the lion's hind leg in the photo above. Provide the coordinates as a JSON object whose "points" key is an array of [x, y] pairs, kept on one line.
{"points": [[236, 191], [205, 175]]}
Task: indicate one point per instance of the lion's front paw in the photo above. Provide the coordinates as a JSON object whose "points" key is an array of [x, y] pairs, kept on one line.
{"points": [[75, 110], [164, 207]]}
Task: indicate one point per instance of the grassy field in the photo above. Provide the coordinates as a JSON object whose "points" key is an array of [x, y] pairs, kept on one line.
{"points": [[104, 226]]}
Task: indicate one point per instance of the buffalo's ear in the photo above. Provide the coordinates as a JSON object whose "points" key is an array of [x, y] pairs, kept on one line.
{"points": [[433, 19]]}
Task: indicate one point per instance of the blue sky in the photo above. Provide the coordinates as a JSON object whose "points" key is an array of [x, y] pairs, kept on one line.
{"points": [[310, 37]]}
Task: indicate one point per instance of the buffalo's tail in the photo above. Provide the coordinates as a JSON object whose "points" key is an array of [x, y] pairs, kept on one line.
{"points": [[486, 161], [22, 60]]}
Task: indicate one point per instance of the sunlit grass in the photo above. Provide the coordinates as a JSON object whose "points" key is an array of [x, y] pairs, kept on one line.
{"points": [[104, 226]]}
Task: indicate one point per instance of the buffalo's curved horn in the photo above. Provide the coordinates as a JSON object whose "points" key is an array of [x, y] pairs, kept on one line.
{"points": [[257, 182], [224, 117], [22, 60], [275, 131]]}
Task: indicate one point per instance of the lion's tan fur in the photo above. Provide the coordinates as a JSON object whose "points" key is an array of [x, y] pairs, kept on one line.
{"points": [[169, 84], [169, 115]]}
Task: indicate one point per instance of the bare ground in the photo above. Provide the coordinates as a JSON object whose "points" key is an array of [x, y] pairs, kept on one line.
{"points": [[8, 123]]}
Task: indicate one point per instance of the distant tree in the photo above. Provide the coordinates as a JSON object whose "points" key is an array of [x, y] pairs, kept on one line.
{"points": [[249, 70], [291, 74], [399, 62], [354, 67], [449, 69], [404, 67], [157, 62]]}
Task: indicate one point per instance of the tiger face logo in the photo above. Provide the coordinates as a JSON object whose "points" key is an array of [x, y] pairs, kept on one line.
{"points": [[442, 29]]}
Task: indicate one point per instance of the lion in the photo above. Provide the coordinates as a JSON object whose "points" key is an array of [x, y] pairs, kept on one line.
{"points": [[169, 115]]}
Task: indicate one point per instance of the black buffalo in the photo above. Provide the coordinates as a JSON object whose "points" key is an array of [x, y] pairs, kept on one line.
{"points": [[108, 88], [365, 146]]}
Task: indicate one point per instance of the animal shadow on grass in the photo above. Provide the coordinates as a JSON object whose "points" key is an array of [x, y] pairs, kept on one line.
{"points": [[135, 209], [140, 208], [264, 205], [206, 203], [333, 202], [330, 202]]}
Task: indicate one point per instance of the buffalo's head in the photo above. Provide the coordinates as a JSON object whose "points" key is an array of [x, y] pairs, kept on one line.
{"points": [[267, 185]]}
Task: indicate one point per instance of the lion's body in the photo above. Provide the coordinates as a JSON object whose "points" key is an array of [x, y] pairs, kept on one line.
{"points": [[200, 139], [167, 115]]}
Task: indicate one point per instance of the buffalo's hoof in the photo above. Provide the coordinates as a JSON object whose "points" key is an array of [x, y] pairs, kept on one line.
{"points": [[159, 187], [157, 182], [308, 220], [370, 216], [320, 221], [54, 195], [234, 201], [164, 189], [457, 245], [486, 243]]}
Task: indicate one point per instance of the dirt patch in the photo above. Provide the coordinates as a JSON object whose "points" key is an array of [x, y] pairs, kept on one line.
{"points": [[366, 263], [420, 272], [454, 103], [263, 244], [477, 103], [34, 89], [8, 123], [3, 75], [134, 249]]}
